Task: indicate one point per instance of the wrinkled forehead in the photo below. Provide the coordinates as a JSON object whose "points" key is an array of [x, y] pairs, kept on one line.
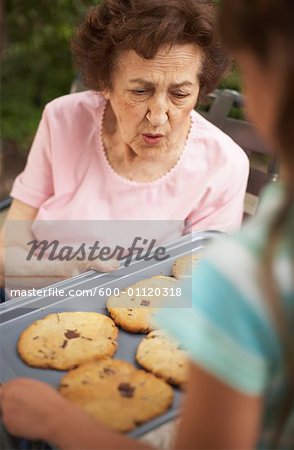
{"points": [[176, 64]]}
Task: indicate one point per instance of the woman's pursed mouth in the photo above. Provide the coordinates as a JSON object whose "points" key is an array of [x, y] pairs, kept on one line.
{"points": [[152, 139]]}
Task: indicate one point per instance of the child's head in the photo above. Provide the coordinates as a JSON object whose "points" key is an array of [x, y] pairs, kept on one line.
{"points": [[261, 35]]}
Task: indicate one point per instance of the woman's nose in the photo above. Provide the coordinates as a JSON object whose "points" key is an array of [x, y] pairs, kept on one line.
{"points": [[157, 113]]}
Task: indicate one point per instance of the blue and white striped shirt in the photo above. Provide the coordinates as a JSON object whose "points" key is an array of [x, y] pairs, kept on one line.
{"points": [[228, 329]]}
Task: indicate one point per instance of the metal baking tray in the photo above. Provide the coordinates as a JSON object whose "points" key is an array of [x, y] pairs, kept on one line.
{"points": [[18, 314]]}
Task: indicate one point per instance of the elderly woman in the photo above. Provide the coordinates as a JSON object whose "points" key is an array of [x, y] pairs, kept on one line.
{"points": [[132, 147]]}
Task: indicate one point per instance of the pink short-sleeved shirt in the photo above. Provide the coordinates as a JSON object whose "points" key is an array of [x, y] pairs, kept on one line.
{"points": [[68, 177]]}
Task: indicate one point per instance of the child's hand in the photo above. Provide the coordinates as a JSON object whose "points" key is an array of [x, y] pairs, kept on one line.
{"points": [[30, 409]]}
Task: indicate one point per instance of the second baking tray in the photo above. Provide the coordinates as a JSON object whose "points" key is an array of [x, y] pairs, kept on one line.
{"points": [[17, 315]]}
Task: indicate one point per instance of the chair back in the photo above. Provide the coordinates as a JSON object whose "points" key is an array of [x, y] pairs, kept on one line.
{"points": [[245, 135]]}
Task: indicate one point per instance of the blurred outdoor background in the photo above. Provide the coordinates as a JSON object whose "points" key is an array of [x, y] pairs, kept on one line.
{"points": [[36, 67]]}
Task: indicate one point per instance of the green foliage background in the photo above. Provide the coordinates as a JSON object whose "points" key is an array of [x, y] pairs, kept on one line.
{"points": [[37, 65]]}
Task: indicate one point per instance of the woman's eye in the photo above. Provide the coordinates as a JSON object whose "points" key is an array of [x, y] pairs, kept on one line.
{"points": [[180, 94], [140, 91]]}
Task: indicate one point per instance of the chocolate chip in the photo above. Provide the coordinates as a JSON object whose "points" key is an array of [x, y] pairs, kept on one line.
{"points": [[108, 371], [145, 303], [126, 390], [64, 385], [130, 314], [64, 344], [36, 337], [138, 422], [71, 334], [152, 337], [130, 309], [170, 380]]}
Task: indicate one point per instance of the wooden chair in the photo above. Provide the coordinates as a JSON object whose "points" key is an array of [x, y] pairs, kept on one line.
{"points": [[245, 135]]}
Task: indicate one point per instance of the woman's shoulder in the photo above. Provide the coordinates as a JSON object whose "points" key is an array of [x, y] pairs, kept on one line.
{"points": [[76, 104], [217, 144]]}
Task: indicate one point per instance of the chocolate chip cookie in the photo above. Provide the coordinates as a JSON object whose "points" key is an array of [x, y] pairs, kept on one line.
{"points": [[134, 309], [116, 393], [164, 357], [182, 267], [65, 340]]}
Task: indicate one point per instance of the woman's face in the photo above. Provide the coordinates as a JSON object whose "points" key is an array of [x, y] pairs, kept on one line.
{"points": [[152, 99]]}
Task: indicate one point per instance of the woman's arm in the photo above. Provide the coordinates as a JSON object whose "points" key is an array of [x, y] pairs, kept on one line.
{"points": [[21, 212], [222, 206], [20, 273]]}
